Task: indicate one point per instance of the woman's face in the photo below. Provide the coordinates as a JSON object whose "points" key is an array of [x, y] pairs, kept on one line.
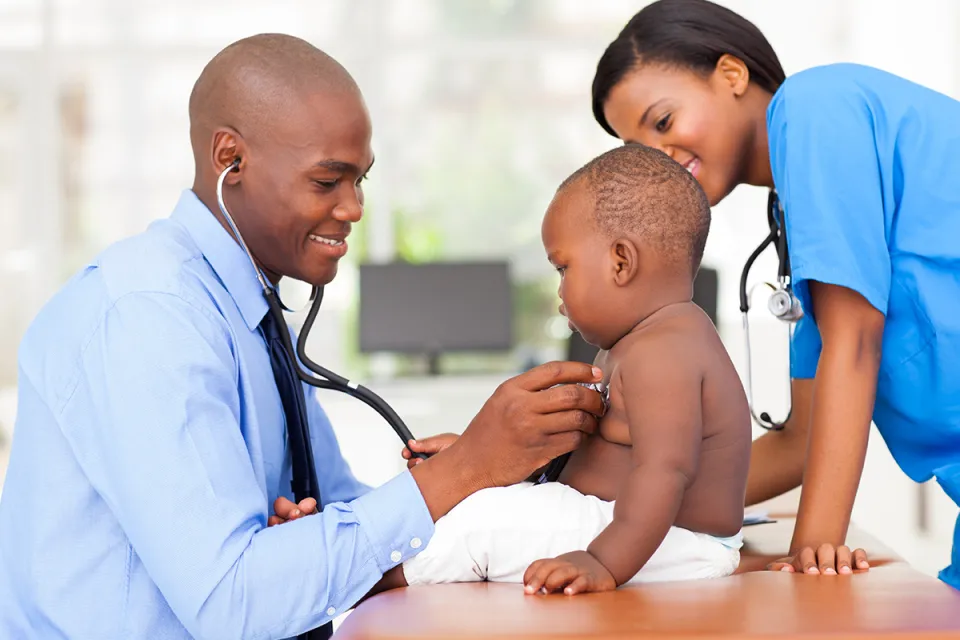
{"points": [[702, 122]]}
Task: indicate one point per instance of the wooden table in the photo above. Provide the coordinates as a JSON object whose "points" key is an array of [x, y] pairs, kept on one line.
{"points": [[890, 600]]}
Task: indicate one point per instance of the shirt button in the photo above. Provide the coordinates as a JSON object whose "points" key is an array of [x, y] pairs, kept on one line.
{"points": [[416, 543], [395, 556], [331, 611]]}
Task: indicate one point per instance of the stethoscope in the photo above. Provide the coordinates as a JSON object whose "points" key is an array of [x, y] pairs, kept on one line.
{"points": [[332, 380], [783, 304]]}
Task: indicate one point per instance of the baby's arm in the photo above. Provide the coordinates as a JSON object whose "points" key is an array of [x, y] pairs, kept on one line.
{"points": [[661, 391]]}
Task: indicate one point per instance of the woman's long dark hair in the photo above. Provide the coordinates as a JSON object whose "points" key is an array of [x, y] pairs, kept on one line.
{"points": [[687, 33]]}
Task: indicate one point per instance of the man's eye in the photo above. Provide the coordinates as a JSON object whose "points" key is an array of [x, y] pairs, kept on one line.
{"points": [[560, 270], [326, 184]]}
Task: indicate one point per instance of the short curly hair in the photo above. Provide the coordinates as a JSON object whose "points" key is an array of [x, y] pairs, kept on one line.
{"points": [[640, 190]]}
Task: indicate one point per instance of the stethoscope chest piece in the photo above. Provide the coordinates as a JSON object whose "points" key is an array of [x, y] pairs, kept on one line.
{"points": [[784, 305]]}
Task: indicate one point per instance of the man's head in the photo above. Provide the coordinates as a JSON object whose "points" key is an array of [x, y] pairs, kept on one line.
{"points": [[297, 122], [626, 232]]}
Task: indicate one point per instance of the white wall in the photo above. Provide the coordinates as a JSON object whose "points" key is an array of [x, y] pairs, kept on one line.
{"points": [[137, 61]]}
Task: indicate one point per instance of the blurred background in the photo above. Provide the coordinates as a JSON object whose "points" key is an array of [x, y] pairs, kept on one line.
{"points": [[480, 109]]}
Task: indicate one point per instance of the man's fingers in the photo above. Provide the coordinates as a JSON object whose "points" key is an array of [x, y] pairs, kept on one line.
{"points": [[554, 373], [308, 506], [860, 559], [273, 520], [284, 508], [580, 585], [567, 397], [844, 558], [568, 421], [561, 443], [433, 444], [827, 559]]}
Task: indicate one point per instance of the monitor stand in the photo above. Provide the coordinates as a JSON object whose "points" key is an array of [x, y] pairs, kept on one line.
{"points": [[433, 363]]}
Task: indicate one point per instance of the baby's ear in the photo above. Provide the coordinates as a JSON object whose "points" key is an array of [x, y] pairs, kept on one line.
{"points": [[626, 261]]}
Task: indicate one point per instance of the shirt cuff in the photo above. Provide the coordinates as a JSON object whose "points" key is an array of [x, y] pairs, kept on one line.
{"points": [[395, 520]]}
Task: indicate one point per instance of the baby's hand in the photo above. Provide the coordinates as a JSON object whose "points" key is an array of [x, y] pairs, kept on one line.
{"points": [[429, 446], [578, 571], [285, 510]]}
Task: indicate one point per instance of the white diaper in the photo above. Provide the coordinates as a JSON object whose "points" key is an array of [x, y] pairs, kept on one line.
{"points": [[495, 534]]}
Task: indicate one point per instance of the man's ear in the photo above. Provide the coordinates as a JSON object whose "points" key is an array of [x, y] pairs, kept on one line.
{"points": [[626, 261], [228, 148]]}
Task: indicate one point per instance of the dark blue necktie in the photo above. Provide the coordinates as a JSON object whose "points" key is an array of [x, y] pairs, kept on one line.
{"points": [[304, 483]]}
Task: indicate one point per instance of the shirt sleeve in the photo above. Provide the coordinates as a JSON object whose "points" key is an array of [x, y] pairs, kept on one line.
{"points": [[826, 169], [805, 349], [154, 423]]}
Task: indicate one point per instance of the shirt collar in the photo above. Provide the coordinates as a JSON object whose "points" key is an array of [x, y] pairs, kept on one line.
{"points": [[222, 252]]}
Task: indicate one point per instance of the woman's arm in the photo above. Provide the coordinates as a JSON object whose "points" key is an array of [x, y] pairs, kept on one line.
{"points": [[843, 396]]}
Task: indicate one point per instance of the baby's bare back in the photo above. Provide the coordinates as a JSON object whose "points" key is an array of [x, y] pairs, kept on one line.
{"points": [[713, 499]]}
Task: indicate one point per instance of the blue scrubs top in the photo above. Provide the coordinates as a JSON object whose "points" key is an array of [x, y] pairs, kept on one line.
{"points": [[867, 166]]}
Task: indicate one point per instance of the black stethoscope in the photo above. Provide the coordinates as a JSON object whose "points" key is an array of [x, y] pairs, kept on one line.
{"points": [[332, 380], [783, 304]]}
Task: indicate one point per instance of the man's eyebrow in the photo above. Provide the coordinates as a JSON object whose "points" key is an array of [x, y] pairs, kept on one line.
{"points": [[341, 166]]}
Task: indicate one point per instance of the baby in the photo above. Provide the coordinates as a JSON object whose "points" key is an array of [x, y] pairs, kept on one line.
{"points": [[658, 492]]}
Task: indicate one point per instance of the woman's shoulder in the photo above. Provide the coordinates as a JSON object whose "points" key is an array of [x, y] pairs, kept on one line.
{"points": [[818, 86], [814, 90]]}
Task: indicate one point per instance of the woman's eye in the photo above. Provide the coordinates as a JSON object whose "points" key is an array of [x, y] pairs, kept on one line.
{"points": [[663, 123], [560, 270]]}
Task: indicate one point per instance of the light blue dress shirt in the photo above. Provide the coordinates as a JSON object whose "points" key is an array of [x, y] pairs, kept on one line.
{"points": [[867, 166], [148, 451]]}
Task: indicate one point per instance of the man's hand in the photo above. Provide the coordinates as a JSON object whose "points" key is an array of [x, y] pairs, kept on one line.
{"points": [[574, 572], [826, 560], [429, 446], [530, 420], [284, 510]]}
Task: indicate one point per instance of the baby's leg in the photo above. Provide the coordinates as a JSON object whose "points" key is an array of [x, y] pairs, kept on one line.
{"points": [[495, 534], [687, 555]]}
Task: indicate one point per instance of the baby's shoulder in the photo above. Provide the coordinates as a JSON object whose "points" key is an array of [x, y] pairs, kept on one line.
{"points": [[680, 335]]}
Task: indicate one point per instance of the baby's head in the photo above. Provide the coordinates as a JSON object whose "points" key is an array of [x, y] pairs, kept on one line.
{"points": [[626, 232]]}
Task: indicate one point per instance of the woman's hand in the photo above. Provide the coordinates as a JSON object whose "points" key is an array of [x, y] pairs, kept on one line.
{"points": [[825, 560]]}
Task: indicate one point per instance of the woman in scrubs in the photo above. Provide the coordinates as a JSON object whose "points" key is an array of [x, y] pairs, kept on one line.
{"points": [[867, 168]]}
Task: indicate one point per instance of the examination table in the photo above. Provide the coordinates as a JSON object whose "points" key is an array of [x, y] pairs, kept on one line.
{"points": [[892, 600]]}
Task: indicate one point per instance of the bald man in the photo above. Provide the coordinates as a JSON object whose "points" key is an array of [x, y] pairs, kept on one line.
{"points": [[152, 436]]}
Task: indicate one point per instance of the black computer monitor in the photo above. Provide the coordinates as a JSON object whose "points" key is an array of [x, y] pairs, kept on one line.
{"points": [[434, 308]]}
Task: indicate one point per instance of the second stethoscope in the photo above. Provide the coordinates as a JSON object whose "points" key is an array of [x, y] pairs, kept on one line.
{"points": [[783, 303]]}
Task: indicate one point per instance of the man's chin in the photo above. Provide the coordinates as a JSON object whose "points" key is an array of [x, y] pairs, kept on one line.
{"points": [[322, 277]]}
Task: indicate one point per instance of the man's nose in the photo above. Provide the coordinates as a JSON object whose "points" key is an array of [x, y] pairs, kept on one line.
{"points": [[349, 210]]}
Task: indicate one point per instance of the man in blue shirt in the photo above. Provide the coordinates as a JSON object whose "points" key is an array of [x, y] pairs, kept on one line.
{"points": [[150, 441]]}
